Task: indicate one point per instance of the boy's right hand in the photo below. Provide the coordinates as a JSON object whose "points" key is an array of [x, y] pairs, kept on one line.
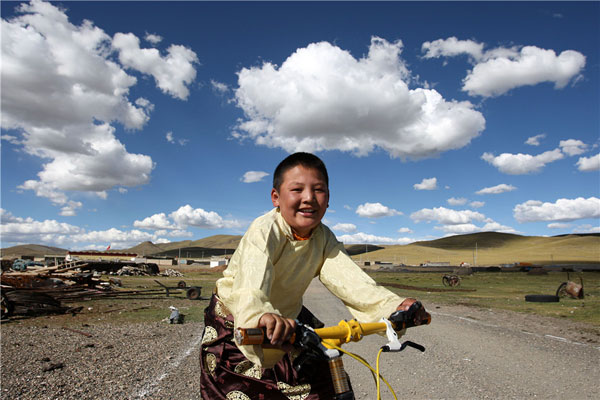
{"points": [[277, 328]]}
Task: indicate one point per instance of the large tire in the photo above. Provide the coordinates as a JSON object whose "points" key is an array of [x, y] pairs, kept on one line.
{"points": [[446, 281], [562, 290], [542, 298], [193, 293]]}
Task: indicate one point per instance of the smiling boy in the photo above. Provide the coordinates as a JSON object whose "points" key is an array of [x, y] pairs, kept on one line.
{"points": [[276, 260]]}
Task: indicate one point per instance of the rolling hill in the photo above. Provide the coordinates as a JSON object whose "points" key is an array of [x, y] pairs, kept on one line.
{"points": [[484, 248]]}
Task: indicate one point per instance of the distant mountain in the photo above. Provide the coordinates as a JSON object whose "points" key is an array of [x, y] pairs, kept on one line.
{"points": [[145, 248], [35, 250], [481, 240]]}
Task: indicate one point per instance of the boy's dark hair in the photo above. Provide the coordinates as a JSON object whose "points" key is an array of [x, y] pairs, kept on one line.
{"points": [[307, 160]]}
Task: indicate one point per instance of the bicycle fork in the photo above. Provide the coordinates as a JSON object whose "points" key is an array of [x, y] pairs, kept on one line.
{"points": [[341, 384]]}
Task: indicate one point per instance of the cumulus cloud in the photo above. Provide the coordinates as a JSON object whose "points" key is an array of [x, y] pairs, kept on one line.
{"points": [[219, 87], [426, 184], [404, 230], [535, 140], [11, 139], [463, 229], [498, 70], [558, 225], [348, 228], [502, 188], [322, 98], [375, 210], [172, 73], [572, 147], [171, 139], [62, 88], [588, 164], [519, 164], [477, 204], [156, 221], [253, 176], [460, 201], [446, 216], [360, 238], [587, 228], [188, 216], [561, 210], [153, 38]]}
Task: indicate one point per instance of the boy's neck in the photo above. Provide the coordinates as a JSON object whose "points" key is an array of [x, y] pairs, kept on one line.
{"points": [[298, 237]]}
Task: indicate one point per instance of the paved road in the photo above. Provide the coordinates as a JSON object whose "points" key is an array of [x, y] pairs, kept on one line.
{"points": [[477, 355]]}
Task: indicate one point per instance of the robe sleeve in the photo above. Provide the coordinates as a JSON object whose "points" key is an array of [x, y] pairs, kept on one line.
{"points": [[366, 301], [250, 293]]}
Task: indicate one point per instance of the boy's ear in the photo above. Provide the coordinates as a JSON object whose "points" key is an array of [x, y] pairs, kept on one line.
{"points": [[275, 197]]}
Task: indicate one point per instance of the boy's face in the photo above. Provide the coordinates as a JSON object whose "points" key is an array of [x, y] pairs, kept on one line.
{"points": [[302, 199]]}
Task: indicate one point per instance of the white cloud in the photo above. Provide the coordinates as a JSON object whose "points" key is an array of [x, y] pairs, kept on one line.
{"points": [[70, 209], [588, 164], [17, 230], [573, 147], [460, 201], [499, 70], [253, 176], [477, 204], [62, 88], [348, 228], [11, 139], [502, 188], [188, 216], [518, 164], [446, 216], [404, 230], [219, 87], [558, 225], [463, 229], [156, 221], [426, 184], [561, 210], [172, 73], [375, 210], [452, 47], [153, 38], [535, 140], [587, 228], [360, 238], [171, 139], [322, 98]]}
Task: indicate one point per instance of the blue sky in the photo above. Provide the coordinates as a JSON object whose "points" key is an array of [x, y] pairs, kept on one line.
{"points": [[131, 121]]}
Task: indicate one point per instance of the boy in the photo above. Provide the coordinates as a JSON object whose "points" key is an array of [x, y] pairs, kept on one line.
{"points": [[276, 260]]}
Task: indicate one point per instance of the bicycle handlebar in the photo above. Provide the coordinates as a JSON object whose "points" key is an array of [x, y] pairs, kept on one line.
{"points": [[344, 332]]}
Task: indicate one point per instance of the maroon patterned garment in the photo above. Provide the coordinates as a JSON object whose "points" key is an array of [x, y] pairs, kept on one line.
{"points": [[227, 374]]}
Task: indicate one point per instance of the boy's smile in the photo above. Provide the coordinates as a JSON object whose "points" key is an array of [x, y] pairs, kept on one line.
{"points": [[303, 198]]}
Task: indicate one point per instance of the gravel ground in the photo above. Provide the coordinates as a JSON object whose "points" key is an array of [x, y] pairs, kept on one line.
{"points": [[471, 354]]}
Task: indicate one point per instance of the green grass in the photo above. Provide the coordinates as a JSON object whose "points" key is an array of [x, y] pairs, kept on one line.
{"points": [[496, 290], [504, 290]]}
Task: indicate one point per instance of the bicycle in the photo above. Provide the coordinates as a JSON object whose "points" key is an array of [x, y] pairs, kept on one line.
{"points": [[325, 343]]}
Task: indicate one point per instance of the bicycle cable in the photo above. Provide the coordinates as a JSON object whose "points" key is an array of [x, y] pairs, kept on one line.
{"points": [[373, 371]]}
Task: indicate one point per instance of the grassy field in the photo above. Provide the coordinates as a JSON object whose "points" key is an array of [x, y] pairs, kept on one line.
{"points": [[503, 290], [496, 290], [493, 249]]}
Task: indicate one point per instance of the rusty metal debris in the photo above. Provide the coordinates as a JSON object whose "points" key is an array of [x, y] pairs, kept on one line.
{"points": [[571, 289], [42, 290], [451, 280]]}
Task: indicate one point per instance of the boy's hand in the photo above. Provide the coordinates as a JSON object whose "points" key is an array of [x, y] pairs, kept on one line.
{"points": [[419, 316], [278, 328]]}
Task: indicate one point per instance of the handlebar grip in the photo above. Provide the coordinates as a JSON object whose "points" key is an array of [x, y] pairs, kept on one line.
{"points": [[406, 319], [249, 336]]}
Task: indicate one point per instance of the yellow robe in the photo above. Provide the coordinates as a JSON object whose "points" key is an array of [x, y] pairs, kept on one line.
{"points": [[270, 271]]}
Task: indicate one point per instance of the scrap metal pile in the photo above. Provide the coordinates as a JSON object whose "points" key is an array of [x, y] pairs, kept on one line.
{"points": [[34, 289]]}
